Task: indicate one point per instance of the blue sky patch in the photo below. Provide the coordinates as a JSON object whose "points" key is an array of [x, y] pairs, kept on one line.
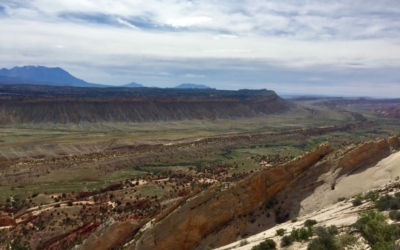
{"points": [[99, 18]]}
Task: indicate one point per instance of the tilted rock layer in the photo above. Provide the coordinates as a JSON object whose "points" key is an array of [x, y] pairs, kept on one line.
{"points": [[217, 216], [110, 235], [210, 211]]}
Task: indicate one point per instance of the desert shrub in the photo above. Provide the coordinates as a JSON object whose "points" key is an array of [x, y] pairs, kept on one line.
{"points": [[301, 234], [268, 244], [375, 229], [388, 202], [333, 230], [280, 232], [322, 243], [394, 215], [365, 217], [341, 199], [359, 196], [293, 220], [325, 239], [320, 231], [372, 196], [345, 240], [309, 223], [386, 246], [57, 205], [305, 233], [286, 241], [357, 201]]}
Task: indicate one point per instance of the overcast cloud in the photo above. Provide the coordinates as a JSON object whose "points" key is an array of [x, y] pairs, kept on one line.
{"points": [[317, 47]]}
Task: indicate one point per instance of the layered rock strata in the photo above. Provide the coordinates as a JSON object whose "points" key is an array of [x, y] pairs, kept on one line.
{"points": [[212, 210], [64, 110], [224, 214]]}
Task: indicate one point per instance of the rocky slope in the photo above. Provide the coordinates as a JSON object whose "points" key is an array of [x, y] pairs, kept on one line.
{"points": [[225, 214], [110, 235], [343, 214]]}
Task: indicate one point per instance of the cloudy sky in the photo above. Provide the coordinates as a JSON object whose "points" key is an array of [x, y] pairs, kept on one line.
{"points": [[338, 47]]}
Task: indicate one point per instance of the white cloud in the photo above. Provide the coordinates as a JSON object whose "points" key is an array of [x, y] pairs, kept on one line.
{"points": [[229, 51], [304, 20], [188, 21], [194, 76], [126, 23], [219, 37]]}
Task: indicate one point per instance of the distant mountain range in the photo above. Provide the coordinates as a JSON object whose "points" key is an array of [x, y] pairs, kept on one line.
{"points": [[40, 75], [133, 85], [191, 86]]}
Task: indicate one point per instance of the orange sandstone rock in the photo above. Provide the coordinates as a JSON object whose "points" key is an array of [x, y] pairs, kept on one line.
{"points": [[366, 153], [210, 211], [111, 236], [7, 221]]}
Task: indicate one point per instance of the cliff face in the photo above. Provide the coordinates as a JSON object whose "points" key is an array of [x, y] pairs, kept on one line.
{"points": [[224, 214], [46, 104], [64, 110], [364, 154], [110, 235], [211, 211]]}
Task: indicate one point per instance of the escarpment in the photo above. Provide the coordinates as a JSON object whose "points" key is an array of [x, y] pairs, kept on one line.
{"points": [[225, 214], [149, 106]]}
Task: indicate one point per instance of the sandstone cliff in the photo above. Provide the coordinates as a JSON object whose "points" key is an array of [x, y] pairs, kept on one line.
{"points": [[225, 214], [364, 154], [110, 235], [212, 210]]}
